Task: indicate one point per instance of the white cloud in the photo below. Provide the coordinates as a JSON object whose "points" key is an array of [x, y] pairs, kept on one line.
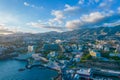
{"points": [[59, 16], [2, 26], [10, 22], [106, 4], [26, 4], [81, 1], [41, 24], [73, 24], [4, 29], [36, 24], [92, 17], [112, 24], [69, 8], [88, 19], [118, 9], [109, 13], [32, 5], [91, 2], [103, 4]]}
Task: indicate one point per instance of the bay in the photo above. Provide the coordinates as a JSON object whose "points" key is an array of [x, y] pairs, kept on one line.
{"points": [[9, 71]]}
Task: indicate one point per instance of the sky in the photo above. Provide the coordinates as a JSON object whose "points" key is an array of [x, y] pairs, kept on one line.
{"points": [[39, 16]]}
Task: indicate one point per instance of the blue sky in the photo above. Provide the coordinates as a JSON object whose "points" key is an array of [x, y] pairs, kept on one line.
{"points": [[38, 16]]}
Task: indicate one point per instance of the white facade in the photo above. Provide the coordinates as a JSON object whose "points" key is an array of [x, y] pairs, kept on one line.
{"points": [[58, 41], [30, 48], [95, 54]]}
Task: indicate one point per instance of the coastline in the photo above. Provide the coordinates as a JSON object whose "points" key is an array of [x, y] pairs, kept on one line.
{"points": [[20, 70]]}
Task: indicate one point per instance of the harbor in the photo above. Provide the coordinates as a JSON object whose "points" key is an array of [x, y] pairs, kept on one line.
{"points": [[65, 73], [9, 70]]}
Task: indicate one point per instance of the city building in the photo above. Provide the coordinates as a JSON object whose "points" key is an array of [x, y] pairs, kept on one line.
{"points": [[51, 47], [77, 58], [85, 73], [30, 48], [114, 54], [95, 54]]}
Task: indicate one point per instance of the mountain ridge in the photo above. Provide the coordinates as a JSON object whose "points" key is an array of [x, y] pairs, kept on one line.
{"points": [[93, 33]]}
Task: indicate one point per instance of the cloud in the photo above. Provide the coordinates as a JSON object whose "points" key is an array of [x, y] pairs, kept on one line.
{"points": [[96, 16], [2, 26], [81, 1], [32, 5], [80, 16], [109, 13], [118, 9], [73, 24], [91, 2], [84, 20], [69, 8], [92, 17], [4, 30], [112, 24], [59, 16], [26, 4], [88, 2], [103, 4], [45, 25], [106, 4]]}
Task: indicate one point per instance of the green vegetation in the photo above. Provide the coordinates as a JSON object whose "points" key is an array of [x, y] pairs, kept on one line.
{"points": [[61, 57], [71, 67], [86, 57], [115, 58], [105, 54]]}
